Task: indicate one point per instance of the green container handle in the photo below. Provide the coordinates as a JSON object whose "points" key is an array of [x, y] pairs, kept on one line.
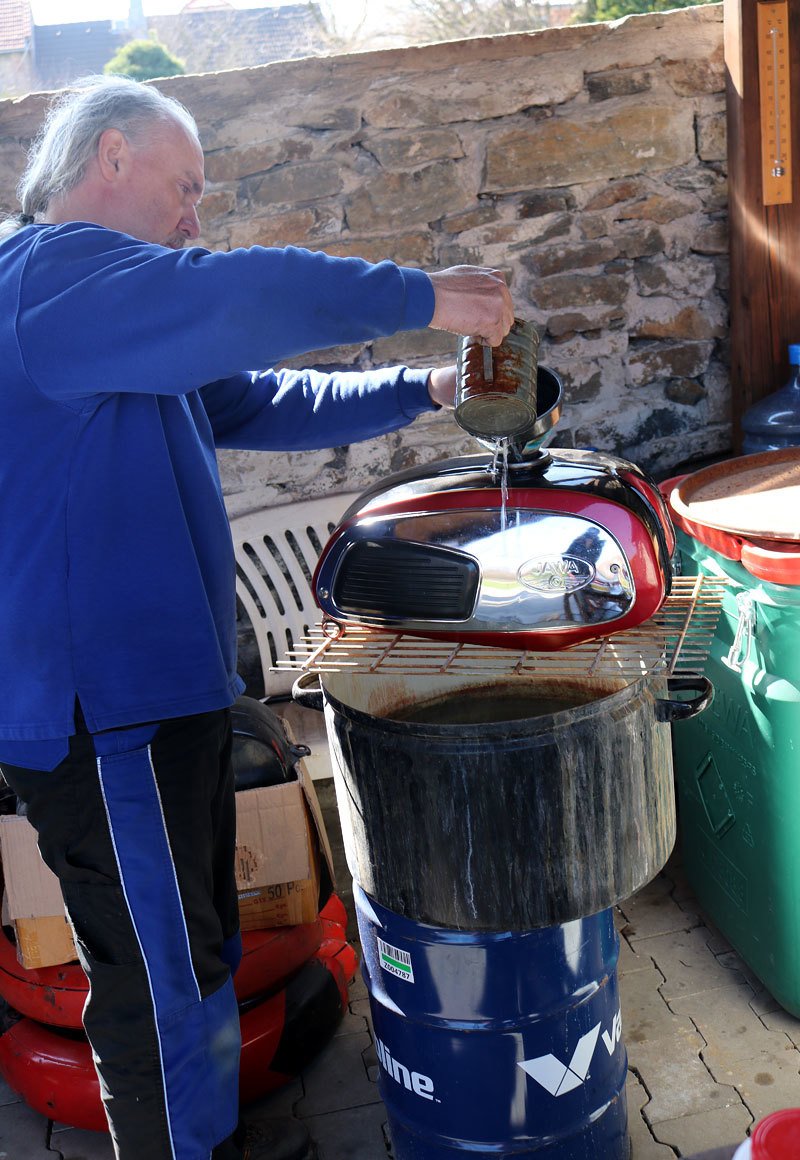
{"points": [[668, 711]]}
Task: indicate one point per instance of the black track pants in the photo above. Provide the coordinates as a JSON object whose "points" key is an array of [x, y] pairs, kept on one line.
{"points": [[139, 825]]}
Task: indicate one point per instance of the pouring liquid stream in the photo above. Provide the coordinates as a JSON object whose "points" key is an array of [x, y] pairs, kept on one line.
{"points": [[499, 469]]}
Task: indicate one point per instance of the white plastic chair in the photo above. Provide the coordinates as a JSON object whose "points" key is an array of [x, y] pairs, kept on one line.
{"points": [[276, 553]]}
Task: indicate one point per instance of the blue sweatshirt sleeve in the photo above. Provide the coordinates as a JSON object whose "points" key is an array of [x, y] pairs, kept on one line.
{"points": [[125, 315], [306, 410]]}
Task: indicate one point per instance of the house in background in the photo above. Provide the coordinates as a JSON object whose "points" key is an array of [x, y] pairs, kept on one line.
{"points": [[211, 36], [207, 35], [16, 56], [64, 52]]}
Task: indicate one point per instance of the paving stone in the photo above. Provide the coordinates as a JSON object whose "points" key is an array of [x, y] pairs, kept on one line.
{"points": [[23, 1134], [688, 965], [74, 1144], [338, 1079], [706, 1130], [351, 1134], [645, 1015], [631, 960], [358, 989], [653, 912], [766, 1082], [361, 1007], [775, 1018], [280, 1103], [680, 1084], [643, 1145], [352, 1023], [729, 1024], [7, 1096], [717, 941], [764, 1003]]}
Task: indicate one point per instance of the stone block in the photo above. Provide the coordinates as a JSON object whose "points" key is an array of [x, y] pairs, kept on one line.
{"points": [[691, 277], [74, 1144], [658, 207], [471, 219], [618, 83], [646, 1018], [291, 227], [712, 137], [217, 204], [565, 291], [232, 164], [572, 322], [563, 151], [730, 1026], [652, 914], [401, 150], [688, 78], [685, 392], [630, 960], [424, 195], [338, 1079], [680, 1084], [569, 256], [705, 1131], [688, 964], [665, 318], [356, 1133], [643, 1145], [405, 249], [613, 192], [711, 239], [290, 184], [477, 90], [535, 205], [766, 1082], [668, 360]]}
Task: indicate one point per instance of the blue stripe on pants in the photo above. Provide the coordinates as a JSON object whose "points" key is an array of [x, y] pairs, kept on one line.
{"points": [[199, 1040]]}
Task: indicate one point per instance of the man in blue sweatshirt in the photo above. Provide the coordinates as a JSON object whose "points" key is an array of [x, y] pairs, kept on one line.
{"points": [[126, 362]]}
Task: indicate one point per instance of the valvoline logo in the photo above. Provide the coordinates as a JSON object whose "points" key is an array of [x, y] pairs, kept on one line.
{"points": [[555, 575], [414, 1081], [557, 1077]]}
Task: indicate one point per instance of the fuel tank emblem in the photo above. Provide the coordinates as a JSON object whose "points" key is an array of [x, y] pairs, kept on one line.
{"points": [[555, 575]]}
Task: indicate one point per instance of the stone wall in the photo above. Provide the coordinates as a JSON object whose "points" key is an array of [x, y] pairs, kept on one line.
{"points": [[588, 162]]}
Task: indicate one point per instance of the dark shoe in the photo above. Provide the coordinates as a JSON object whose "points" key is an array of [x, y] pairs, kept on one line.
{"points": [[283, 1138]]}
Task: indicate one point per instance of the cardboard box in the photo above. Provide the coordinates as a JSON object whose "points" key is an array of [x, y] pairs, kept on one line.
{"points": [[280, 841], [32, 899]]}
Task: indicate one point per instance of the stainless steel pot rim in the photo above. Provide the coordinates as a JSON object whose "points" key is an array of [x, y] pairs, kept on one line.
{"points": [[630, 698]]}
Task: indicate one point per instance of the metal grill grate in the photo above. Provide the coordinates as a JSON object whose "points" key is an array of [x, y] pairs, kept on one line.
{"points": [[675, 641]]}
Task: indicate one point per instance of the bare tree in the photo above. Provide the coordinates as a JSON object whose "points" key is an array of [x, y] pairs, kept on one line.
{"points": [[455, 19]]}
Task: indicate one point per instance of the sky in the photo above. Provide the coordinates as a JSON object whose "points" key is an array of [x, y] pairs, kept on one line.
{"points": [[67, 11]]}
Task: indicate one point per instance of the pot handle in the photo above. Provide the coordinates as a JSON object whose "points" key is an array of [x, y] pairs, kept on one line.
{"points": [[668, 711], [306, 694]]}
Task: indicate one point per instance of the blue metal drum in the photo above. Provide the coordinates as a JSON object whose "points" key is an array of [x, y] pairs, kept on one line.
{"points": [[497, 1044]]}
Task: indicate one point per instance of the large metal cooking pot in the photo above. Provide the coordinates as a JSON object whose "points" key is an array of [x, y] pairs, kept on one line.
{"points": [[502, 808]]}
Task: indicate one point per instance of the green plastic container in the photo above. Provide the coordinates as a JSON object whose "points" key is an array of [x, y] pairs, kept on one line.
{"points": [[737, 767]]}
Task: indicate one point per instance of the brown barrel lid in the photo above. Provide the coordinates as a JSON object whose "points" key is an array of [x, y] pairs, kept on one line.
{"points": [[756, 496]]}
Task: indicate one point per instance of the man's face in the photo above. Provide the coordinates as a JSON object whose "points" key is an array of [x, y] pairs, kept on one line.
{"points": [[163, 186]]}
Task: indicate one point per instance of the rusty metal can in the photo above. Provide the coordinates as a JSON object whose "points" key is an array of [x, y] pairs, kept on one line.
{"points": [[496, 386]]}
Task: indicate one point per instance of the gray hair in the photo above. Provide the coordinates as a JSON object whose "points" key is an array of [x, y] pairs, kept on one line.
{"points": [[67, 142]]}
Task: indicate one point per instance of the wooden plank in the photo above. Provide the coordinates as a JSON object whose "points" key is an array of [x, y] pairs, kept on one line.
{"points": [[764, 239]]}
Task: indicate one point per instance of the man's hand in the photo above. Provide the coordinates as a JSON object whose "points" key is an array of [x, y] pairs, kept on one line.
{"points": [[472, 300], [442, 386]]}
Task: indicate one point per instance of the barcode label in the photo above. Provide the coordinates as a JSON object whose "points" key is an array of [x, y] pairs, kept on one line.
{"points": [[395, 961]]}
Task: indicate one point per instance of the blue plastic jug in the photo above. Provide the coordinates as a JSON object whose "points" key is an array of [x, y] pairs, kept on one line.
{"points": [[774, 422]]}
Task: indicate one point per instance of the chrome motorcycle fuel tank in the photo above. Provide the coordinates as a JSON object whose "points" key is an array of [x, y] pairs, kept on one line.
{"points": [[571, 546]]}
